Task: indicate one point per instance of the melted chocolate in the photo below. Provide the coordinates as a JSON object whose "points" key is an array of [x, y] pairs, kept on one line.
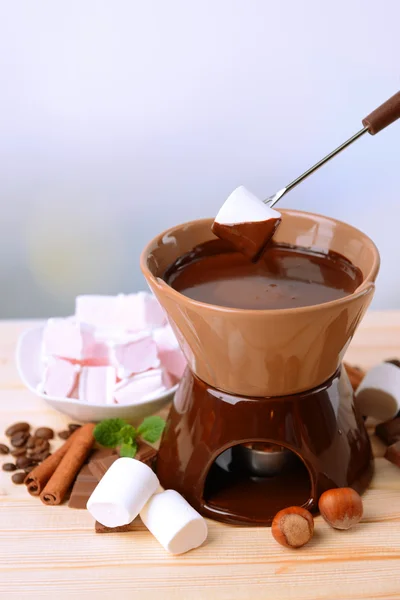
{"points": [[250, 239], [285, 277]]}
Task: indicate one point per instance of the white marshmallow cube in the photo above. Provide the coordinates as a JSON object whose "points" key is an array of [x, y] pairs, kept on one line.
{"points": [[242, 206], [378, 394], [122, 492], [97, 384], [173, 522]]}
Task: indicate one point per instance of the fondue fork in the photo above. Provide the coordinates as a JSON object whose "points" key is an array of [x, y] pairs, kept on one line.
{"points": [[380, 118]]}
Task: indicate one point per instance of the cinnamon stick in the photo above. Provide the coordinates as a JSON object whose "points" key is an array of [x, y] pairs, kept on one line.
{"points": [[70, 465], [36, 480]]}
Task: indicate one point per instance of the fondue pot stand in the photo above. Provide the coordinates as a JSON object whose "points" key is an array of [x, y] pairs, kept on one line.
{"points": [[264, 416]]}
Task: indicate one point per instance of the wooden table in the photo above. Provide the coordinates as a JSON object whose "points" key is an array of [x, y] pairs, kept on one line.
{"points": [[53, 552]]}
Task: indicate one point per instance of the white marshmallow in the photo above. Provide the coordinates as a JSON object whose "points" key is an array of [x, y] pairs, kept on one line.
{"points": [[242, 206], [59, 377], [378, 394], [173, 522], [97, 384], [122, 492], [140, 388]]}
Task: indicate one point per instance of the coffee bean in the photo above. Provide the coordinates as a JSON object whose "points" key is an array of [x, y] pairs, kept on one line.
{"points": [[24, 461], [19, 439], [4, 449], [42, 456], [16, 428], [18, 452], [73, 427], [32, 441], [64, 435], [29, 469], [9, 467], [19, 477], [42, 446], [45, 433]]}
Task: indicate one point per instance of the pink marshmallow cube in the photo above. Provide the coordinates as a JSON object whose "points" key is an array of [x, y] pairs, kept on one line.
{"points": [[171, 356], [67, 338], [173, 361], [165, 338], [59, 378], [127, 312], [135, 356], [139, 388], [97, 384]]}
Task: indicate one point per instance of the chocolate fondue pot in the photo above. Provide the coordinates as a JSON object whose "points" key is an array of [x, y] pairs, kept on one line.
{"points": [[272, 378]]}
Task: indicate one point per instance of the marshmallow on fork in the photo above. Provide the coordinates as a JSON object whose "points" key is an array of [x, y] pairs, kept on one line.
{"points": [[97, 384], [173, 522], [59, 377], [122, 492], [378, 394], [126, 312], [246, 222]]}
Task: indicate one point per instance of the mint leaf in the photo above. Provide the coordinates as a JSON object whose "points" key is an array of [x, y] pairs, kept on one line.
{"points": [[107, 433], [128, 450], [127, 435], [151, 429]]}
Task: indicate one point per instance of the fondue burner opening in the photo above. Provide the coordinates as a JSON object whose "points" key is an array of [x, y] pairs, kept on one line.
{"points": [[262, 459], [253, 481]]}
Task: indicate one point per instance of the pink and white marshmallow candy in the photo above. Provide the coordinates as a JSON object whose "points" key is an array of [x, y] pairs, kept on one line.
{"points": [[59, 377], [68, 339], [97, 384], [140, 388], [169, 352], [127, 312], [135, 356]]}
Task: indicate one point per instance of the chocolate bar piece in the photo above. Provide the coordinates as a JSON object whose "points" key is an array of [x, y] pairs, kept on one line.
{"points": [[85, 482], [134, 526], [393, 453], [99, 465], [389, 431], [83, 488]]}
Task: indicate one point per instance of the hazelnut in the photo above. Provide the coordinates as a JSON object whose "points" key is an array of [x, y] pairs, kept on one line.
{"points": [[293, 527], [341, 507]]}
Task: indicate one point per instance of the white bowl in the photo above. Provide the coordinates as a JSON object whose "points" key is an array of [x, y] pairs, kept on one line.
{"points": [[30, 369]]}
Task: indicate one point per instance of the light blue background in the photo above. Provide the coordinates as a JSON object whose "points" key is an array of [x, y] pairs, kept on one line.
{"points": [[121, 118]]}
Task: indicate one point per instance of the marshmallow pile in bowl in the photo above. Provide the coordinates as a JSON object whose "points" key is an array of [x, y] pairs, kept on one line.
{"points": [[117, 356]]}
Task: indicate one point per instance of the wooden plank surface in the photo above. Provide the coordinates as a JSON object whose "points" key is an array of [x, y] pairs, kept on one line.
{"points": [[48, 552]]}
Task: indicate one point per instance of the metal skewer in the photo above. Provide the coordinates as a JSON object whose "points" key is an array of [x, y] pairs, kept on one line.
{"points": [[380, 118]]}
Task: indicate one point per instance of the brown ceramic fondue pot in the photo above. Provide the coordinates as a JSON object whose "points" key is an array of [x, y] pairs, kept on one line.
{"points": [[263, 376]]}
